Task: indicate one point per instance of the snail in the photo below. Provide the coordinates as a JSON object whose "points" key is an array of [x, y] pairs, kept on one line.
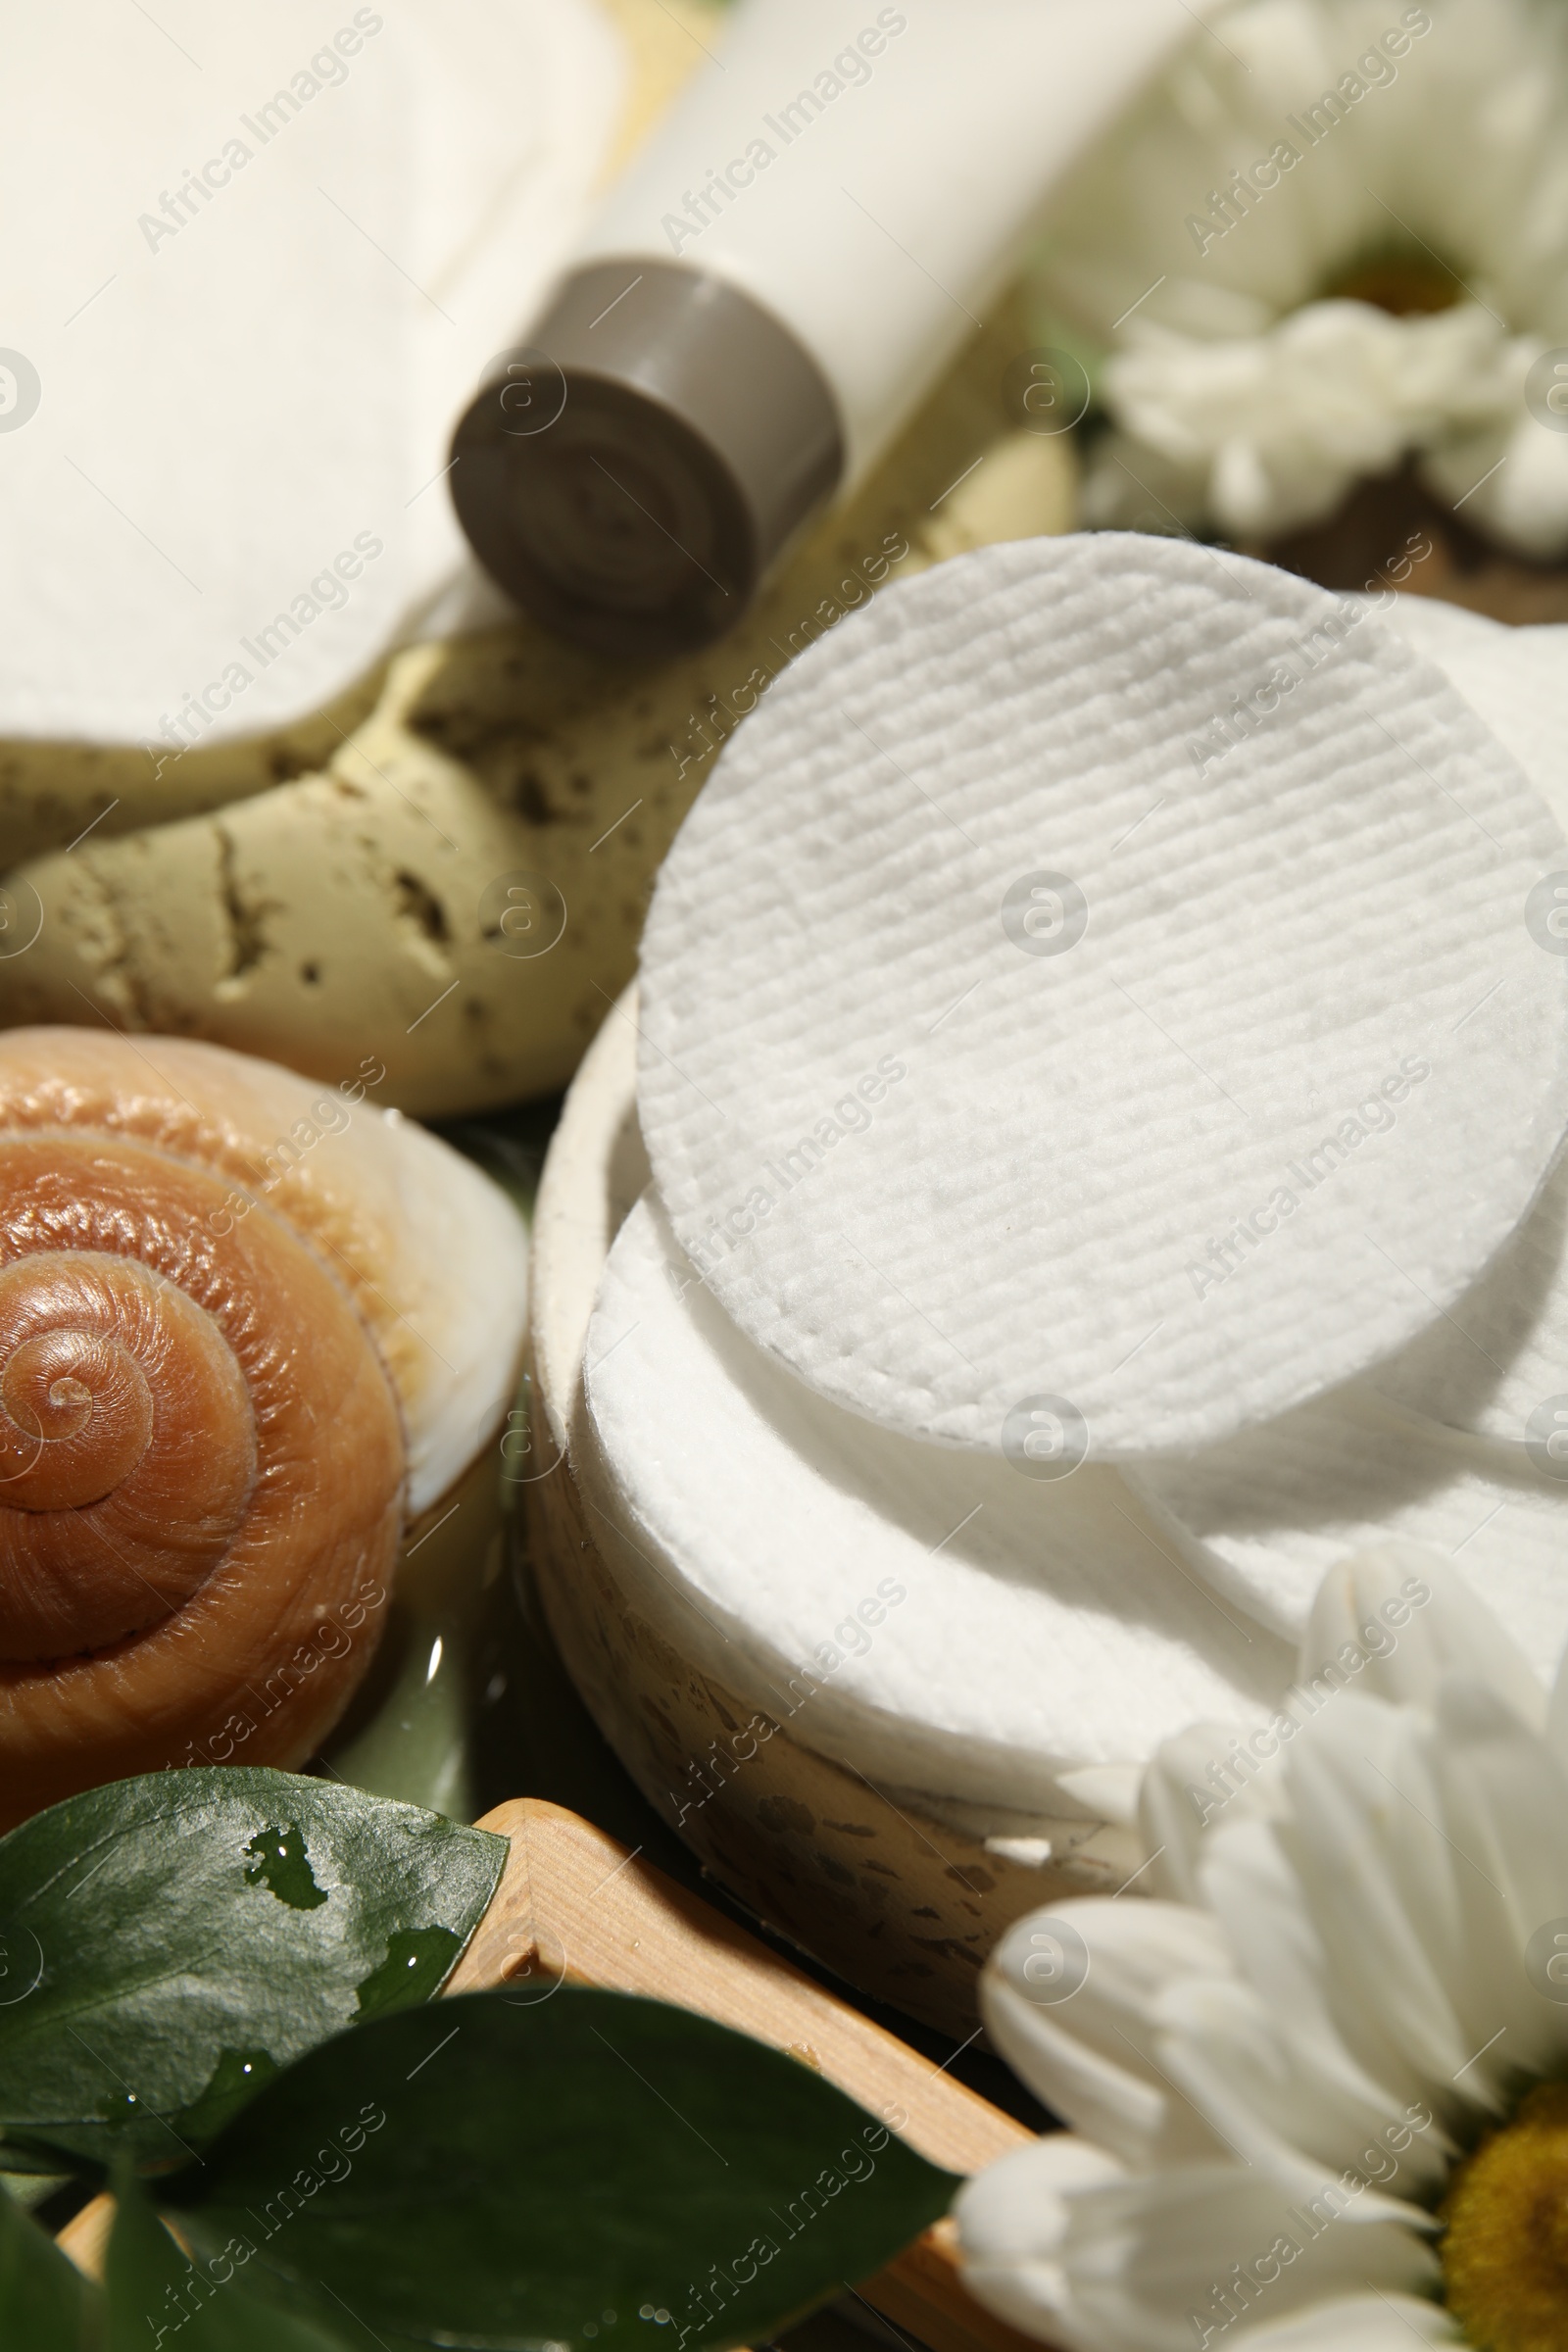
{"points": [[251, 1327]]}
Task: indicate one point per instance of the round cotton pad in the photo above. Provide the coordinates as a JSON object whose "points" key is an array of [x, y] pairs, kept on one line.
{"points": [[920, 1615], [254, 268], [1094, 1007], [1266, 1515], [1515, 680], [1497, 1363]]}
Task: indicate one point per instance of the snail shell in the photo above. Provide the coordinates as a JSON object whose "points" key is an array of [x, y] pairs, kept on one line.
{"points": [[227, 1370], [434, 1256]]}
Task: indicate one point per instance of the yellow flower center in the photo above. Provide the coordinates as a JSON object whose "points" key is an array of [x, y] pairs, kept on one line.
{"points": [[1504, 2247], [1405, 283]]}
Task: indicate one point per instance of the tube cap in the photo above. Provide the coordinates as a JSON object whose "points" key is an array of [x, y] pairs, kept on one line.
{"points": [[631, 477]]}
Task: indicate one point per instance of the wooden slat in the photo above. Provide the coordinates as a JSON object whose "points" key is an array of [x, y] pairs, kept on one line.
{"points": [[85, 2239], [576, 1907]]}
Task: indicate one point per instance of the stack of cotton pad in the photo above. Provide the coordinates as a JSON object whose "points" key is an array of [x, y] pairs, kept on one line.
{"points": [[1458, 1439], [254, 268], [1102, 1046]]}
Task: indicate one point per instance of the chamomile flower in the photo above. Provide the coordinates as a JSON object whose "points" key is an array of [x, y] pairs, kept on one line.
{"points": [[1333, 235], [1316, 2088]]}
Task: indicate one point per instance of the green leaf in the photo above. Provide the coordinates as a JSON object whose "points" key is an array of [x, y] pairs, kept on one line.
{"points": [[173, 1941], [45, 2303], [587, 2170], [157, 2295]]}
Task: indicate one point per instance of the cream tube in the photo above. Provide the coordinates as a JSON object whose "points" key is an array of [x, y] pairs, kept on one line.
{"points": [[764, 297]]}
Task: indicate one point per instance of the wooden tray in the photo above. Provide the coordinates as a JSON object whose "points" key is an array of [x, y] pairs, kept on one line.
{"points": [[574, 1907]]}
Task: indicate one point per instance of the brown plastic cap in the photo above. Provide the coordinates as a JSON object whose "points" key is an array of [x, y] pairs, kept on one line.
{"points": [[632, 475]]}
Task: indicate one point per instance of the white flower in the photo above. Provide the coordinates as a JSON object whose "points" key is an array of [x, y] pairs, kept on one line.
{"points": [[1242, 244], [1315, 2088]]}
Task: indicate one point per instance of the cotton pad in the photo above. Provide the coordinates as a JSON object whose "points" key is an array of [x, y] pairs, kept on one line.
{"points": [[1516, 680], [1498, 1361], [1266, 1514], [926, 1617], [1090, 1009], [252, 269]]}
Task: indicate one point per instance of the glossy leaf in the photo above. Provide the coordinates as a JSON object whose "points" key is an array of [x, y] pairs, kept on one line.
{"points": [[45, 2303], [171, 1943], [157, 2295], [584, 2170]]}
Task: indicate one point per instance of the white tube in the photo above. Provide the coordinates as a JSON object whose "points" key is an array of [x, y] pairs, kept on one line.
{"points": [[869, 173], [790, 261]]}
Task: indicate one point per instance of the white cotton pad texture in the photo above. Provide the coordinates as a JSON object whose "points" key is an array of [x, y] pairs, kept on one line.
{"points": [[1516, 680], [1450, 1440], [1264, 1516], [928, 1618], [988, 987], [1501, 1356], [434, 1253], [228, 406]]}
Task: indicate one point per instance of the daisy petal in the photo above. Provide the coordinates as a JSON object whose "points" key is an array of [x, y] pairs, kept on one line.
{"points": [[1292, 2103], [1557, 1714], [1012, 2220], [1188, 1783], [1342, 1916], [1416, 1622], [1161, 2264], [1505, 1804], [1514, 485], [1357, 2324], [1067, 1998]]}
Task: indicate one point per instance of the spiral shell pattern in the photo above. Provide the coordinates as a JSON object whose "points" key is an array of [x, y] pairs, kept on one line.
{"points": [[103, 1532], [201, 1465]]}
